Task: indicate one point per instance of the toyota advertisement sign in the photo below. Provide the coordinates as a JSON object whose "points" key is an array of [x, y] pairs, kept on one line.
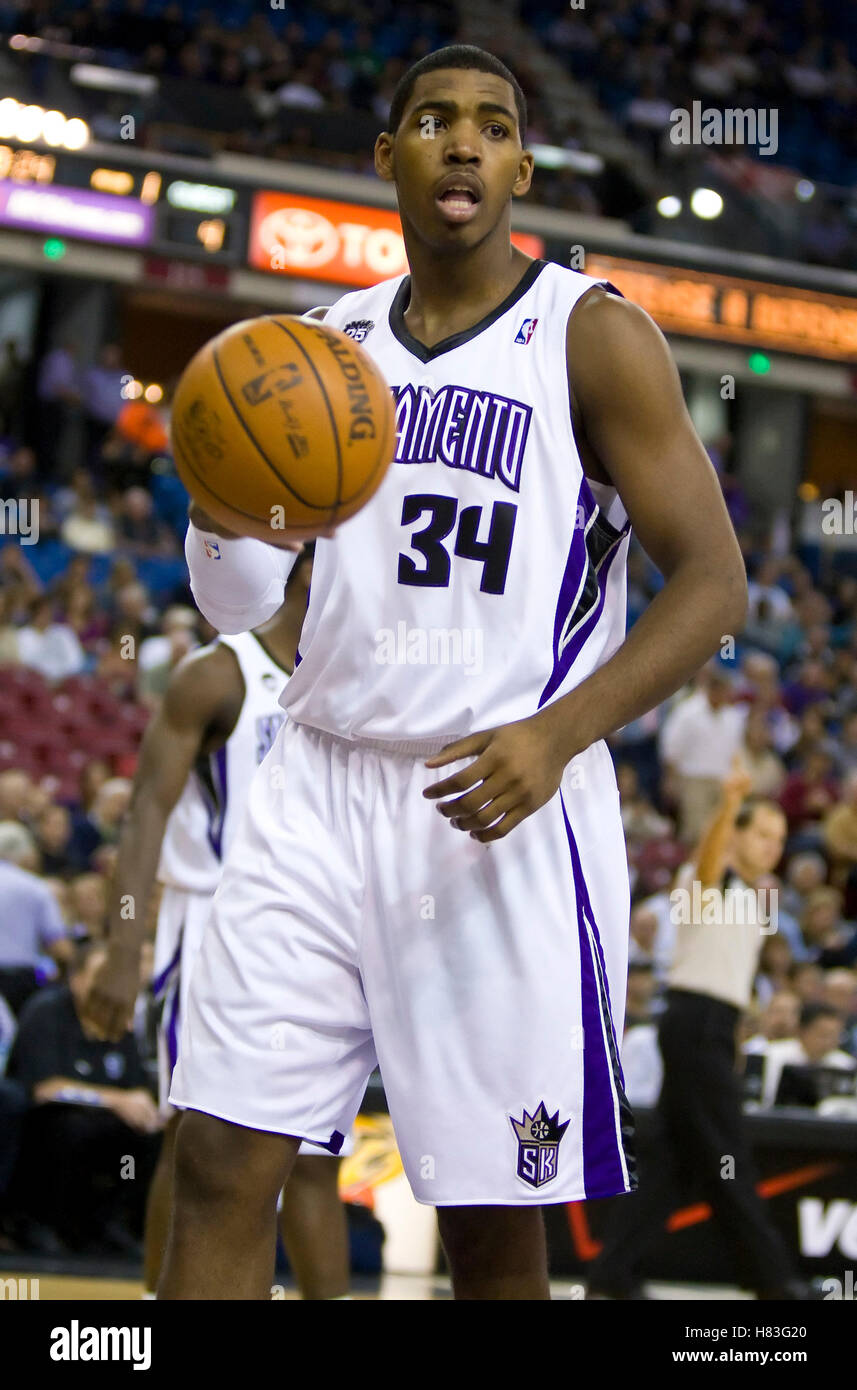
{"points": [[346, 243]]}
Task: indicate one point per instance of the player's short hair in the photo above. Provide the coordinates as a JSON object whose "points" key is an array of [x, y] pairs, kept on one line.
{"points": [[456, 55]]}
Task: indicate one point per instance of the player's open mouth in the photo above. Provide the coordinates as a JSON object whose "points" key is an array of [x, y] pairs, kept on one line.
{"points": [[458, 202]]}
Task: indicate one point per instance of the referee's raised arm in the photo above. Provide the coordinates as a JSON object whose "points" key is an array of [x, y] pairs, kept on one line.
{"points": [[711, 854]]}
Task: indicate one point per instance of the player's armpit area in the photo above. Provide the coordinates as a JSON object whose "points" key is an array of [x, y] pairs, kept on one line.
{"points": [[627, 400], [204, 694]]}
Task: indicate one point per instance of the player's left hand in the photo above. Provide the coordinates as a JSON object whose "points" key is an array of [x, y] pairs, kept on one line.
{"points": [[516, 769]]}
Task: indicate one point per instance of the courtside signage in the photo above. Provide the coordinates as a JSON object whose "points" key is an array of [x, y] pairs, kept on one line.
{"points": [[725, 307], [348, 243], [75, 212]]}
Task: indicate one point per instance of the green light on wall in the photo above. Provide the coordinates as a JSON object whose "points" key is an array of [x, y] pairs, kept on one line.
{"points": [[53, 248], [759, 363]]}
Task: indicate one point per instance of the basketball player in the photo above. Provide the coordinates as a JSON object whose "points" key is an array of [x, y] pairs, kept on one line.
{"points": [[431, 871], [218, 720]]}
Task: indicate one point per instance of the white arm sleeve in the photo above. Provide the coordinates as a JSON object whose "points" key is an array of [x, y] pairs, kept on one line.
{"points": [[236, 584]]}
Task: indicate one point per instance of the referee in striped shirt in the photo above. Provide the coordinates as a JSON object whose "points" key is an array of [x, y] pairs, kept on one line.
{"points": [[722, 920]]}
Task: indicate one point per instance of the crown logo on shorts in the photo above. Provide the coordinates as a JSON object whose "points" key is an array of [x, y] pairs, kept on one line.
{"points": [[539, 1136]]}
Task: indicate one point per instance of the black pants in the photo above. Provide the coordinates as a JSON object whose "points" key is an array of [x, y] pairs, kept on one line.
{"points": [[13, 1108], [80, 1166], [702, 1124], [17, 983]]}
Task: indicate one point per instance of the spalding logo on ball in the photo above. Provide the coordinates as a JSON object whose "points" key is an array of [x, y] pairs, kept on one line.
{"points": [[282, 425]]}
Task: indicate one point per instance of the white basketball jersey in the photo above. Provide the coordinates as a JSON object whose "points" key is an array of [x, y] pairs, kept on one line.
{"points": [[200, 828], [483, 580]]}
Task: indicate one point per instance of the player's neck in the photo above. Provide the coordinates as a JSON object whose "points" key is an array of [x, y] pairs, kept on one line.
{"points": [[280, 636], [450, 294]]}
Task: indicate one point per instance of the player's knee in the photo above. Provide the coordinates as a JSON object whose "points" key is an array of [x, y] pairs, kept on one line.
{"points": [[476, 1238], [314, 1173], [216, 1162]]}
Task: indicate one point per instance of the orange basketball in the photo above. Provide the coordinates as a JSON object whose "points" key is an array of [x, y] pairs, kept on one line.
{"points": [[282, 426]]}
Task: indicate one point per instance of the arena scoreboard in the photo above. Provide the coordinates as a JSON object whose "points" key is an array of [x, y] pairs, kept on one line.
{"points": [[61, 193]]}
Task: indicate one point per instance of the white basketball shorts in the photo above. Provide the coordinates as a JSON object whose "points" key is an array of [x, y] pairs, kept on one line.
{"points": [[354, 923], [182, 917]]}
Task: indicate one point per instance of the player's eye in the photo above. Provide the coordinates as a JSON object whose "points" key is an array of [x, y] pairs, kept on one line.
{"points": [[430, 124], [497, 130]]}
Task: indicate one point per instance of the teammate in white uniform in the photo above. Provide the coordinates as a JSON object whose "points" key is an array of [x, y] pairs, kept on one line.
{"points": [[463, 647], [219, 718]]}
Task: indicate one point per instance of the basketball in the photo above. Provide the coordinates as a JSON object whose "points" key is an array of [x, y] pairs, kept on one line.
{"points": [[282, 426]]}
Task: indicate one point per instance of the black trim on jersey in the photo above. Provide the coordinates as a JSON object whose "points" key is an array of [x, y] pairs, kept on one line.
{"points": [[426, 354]]}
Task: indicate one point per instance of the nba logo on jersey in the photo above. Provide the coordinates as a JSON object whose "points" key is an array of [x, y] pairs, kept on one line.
{"points": [[539, 1136], [526, 331], [212, 549]]}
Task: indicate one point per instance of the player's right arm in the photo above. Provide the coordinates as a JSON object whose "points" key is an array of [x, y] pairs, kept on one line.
{"points": [[238, 582], [204, 693]]}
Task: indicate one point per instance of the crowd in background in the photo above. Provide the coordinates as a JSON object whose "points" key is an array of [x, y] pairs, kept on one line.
{"points": [[638, 59], [782, 696]]}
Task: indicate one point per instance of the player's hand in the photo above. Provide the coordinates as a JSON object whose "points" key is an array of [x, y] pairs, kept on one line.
{"points": [[203, 522], [738, 783], [137, 1110], [516, 769], [108, 1009]]}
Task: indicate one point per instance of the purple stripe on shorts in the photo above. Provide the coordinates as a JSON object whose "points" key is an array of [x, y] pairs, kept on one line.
{"points": [[173, 1033], [602, 1073], [159, 981]]}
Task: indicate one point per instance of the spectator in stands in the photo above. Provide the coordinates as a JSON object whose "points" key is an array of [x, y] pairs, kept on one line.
{"points": [[641, 1059], [84, 617], [699, 739], [766, 768], [31, 928], [640, 819], [159, 655], [804, 872], [817, 1044], [16, 794], [807, 795], [88, 893], [58, 392], [775, 963], [140, 531], [53, 835], [779, 1019], [840, 833], [103, 385], [48, 645], [87, 525], [840, 992], [19, 475], [90, 1105], [99, 822], [806, 978], [766, 588]]}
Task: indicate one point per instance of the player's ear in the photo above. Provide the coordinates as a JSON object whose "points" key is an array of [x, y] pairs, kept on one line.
{"points": [[524, 178], [525, 175], [384, 156]]}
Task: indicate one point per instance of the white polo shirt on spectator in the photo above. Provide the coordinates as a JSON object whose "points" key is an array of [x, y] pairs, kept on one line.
{"points": [[699, 741]]}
